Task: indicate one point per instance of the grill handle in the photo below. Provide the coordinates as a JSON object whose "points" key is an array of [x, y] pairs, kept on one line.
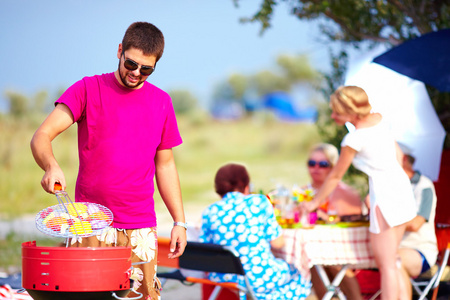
{"points": [[120, 298]]}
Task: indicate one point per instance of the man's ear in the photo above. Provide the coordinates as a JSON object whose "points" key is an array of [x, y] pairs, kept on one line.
{"points": [[119, 51]]}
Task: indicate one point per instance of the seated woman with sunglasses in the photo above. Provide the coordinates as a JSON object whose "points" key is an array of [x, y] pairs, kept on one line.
{"points": [[344, 200]]}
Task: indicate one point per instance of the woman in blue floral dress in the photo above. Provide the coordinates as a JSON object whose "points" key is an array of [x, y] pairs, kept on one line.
{"points": [[247, 223]]}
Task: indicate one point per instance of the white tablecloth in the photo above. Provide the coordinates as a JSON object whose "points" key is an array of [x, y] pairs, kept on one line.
{"points": [[327, 245]]}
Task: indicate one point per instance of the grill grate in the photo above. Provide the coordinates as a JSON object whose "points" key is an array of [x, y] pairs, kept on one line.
{"points": [[68, 219]]}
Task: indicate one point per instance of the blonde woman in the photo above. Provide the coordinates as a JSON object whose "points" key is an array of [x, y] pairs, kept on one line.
{"points": [[373, 150]]}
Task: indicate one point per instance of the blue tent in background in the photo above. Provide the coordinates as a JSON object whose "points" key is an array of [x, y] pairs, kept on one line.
{"points": [[282, 104], [227, 110]]}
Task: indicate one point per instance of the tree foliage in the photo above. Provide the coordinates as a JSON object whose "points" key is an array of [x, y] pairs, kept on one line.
{"points": [[183, 101], [40, 103], [239, 84], [326, 126], [353, 22], [290, 70], [18, 103], [267, 81], [390, 21], [21, 105], [297, 68]]}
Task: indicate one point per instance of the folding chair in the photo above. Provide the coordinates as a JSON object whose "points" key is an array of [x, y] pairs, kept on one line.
{"points": [[206, 258], [422, 287]]}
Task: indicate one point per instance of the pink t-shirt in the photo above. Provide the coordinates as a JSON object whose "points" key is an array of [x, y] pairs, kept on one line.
{"points": [[119, 132]]}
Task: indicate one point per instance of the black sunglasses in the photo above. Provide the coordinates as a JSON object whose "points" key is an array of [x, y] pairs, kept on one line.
{"points": [[131, 65], [322, 163]]}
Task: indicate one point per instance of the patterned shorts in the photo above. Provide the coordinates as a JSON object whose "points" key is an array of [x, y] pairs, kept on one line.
{"points": [[144, 248]]}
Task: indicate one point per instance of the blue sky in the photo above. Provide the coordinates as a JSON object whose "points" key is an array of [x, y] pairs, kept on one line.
{"points": [[51, 44]]}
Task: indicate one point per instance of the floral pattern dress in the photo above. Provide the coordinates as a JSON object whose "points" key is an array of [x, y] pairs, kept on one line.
{"points": [[248, 224]]}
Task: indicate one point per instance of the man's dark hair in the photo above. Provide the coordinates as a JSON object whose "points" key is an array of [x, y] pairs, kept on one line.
{"points": [[231, 177], [145, 37]]}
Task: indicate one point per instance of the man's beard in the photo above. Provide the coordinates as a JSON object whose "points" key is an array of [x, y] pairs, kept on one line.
{"points": [[124, 81]]}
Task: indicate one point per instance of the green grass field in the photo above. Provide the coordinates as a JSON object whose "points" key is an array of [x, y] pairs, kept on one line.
{"points": [[273, 151]]}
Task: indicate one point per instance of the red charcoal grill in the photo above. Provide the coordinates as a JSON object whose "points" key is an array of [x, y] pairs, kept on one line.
{"points": [[76, 273]]}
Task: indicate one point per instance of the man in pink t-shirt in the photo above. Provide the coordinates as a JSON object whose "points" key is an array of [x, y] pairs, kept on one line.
{"points": [[126, 130]]}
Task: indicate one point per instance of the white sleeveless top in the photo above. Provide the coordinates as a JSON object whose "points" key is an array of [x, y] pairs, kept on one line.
{"points": [[389, 186]]}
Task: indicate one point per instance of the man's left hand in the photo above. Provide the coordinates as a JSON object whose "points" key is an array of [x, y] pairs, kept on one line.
{"points": [[178, 241]]}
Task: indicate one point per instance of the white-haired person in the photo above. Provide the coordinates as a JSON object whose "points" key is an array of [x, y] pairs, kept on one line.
{"points": [[418, 248], [344, 200], [373, 150]]}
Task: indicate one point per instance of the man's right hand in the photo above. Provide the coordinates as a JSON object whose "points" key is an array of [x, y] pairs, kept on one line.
{"points": [[52, 176]]}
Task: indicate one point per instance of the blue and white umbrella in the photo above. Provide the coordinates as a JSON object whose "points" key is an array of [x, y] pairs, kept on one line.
{"points": [[426, 58], [405, 104]]}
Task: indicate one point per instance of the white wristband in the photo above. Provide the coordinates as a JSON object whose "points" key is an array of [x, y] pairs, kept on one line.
{"points": [[180, 224]]}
